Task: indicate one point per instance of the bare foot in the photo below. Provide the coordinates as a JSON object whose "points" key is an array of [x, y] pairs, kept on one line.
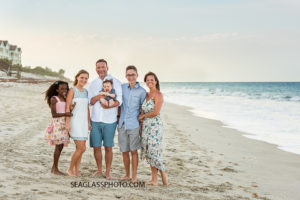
{"points": [[78, 174], [108, 177], [134, 180], [154, 183], [97, 173], [53, 169], [71, 173], [57, 172], [104, 102], [124, 178], [164, 178]]}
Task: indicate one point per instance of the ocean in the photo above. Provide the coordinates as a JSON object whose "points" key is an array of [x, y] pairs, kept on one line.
{"points": [[266, 111]]}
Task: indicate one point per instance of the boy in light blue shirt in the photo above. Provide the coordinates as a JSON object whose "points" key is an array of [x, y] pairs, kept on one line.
{"points": [[133, 96]]}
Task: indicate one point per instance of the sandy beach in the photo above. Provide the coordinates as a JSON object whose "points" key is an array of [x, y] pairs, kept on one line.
{"points": [[204, 159]]}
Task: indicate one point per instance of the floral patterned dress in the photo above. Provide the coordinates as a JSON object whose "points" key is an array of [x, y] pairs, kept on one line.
{"points": [[152, 134], [56, 132]]}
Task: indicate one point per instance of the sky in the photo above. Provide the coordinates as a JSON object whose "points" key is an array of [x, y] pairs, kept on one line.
{"points": [[187, 40]]}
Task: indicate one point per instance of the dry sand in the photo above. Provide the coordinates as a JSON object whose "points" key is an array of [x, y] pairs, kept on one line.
{"points": [[204, 160]]}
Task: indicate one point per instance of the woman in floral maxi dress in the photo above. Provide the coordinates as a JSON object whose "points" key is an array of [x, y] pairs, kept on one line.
{"points": [[152, 129]]}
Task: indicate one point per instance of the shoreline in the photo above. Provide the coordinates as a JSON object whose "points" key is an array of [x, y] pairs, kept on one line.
{"points": [[224, 125], [203, 159], [261, 160]]}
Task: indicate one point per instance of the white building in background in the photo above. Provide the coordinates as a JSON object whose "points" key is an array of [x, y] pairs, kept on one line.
{"points": [[11, 52]]}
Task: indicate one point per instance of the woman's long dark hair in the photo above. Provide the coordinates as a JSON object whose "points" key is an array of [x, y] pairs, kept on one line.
{"points": [[155, 77], [52, 91]]}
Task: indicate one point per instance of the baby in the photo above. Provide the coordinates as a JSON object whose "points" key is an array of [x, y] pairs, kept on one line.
{"points": [[108, 94]]}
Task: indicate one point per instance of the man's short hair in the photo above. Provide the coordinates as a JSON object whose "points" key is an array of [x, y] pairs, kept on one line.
{"points": [[101, 60], [131, 67]]}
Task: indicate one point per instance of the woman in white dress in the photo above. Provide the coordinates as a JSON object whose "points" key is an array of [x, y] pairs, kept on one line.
{"points": [[79, 124]]}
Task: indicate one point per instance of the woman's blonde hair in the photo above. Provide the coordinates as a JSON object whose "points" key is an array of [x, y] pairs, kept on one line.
{"points": [[82, 71]]}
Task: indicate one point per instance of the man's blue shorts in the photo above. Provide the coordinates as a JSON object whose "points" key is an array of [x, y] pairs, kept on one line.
{"points": [[102, 132]]}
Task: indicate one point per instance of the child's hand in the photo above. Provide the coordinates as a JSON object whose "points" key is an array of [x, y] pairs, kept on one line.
{"points": [[104, 93], [68, 127], [72, 106]]}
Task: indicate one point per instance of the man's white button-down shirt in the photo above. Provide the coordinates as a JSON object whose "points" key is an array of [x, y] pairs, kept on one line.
{"points": [[99, 114]]}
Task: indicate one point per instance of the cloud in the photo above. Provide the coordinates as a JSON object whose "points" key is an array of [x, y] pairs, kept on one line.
{"points": [[216, 36], [210, 37]]}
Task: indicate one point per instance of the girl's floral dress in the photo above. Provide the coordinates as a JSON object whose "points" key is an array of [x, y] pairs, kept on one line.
{"points": [[152, 132], [56, 132]]}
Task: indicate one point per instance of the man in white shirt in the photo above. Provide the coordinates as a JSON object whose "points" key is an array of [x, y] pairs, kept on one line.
{"points": [[103, 118]]}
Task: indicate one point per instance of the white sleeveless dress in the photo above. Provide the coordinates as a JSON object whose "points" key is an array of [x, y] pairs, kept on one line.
{"points": [[79, 120]]}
